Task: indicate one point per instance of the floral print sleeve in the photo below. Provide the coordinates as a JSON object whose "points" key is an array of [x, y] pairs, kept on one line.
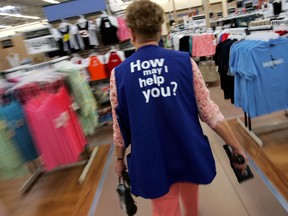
{"points": [[208, 111], [117, 136]]}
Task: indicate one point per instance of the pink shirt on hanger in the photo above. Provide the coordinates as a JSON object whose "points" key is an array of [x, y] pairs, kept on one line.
{"points": [[203, 45], [123, 32]]}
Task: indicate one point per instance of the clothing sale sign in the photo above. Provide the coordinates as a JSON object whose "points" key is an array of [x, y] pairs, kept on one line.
{"points": [[154, 85]]}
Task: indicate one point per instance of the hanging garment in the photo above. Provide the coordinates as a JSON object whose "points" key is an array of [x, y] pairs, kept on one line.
{"points": [[208, 70], [84, 33], [11, 164], [204, 45], [92, 32], [108, 32], [221, 58], [66, 99], [55, 134], [14, 116], [97, 68], [84, 97], [260, 69], [65, 32], [184, 44], [123, 32], [113, 59]]}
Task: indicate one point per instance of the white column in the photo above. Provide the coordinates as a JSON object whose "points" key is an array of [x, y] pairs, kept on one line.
{"points": [[206, 5], [225, 8]]}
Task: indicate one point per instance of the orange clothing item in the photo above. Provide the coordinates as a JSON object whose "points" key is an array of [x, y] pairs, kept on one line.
{"points": [[97, 69]]}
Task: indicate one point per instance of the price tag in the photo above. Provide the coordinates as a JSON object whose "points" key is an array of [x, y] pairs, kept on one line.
{"points": [[75, 106]]}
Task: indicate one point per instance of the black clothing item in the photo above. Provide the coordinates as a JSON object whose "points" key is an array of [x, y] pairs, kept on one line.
{"points": [[108, 32], [128, 53], [277, 7], [59, 52], [184, 44], [83, 31], [221, 59]]}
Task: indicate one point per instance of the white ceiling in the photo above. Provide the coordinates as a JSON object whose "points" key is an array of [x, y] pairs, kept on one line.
{"points": [[23, 7]]}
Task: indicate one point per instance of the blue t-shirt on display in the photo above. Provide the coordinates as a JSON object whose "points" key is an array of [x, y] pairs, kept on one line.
{"points": [[265, 71]]}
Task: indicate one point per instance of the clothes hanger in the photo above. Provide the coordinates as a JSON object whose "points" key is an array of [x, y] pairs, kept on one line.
{"points": [[113, 49], [82, 20], [63, 25], [104, 14]]}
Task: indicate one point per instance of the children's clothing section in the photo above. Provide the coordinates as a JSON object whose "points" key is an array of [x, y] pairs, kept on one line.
{"points": [[45, 115], [99, 66], [87, 34]]}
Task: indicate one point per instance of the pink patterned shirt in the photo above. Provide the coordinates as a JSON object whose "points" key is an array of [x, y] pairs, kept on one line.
{"points": [[203, 45], [208, 111]]}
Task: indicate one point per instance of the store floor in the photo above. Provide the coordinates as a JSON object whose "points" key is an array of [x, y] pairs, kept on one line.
{"points": [[224, 197]]}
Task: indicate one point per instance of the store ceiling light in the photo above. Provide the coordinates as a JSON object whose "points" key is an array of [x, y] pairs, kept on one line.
{"points": [[52, 1], [19, 16]]}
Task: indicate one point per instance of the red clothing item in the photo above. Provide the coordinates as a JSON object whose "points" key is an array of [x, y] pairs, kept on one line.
{"points": [[224, 37], [113, 61], [281, 32]]}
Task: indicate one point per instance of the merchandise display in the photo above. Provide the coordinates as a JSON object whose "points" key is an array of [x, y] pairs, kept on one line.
{"points": [[79, 82]]}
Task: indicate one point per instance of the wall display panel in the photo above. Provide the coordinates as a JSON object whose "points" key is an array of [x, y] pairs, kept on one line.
{"points": [[73, 8]]}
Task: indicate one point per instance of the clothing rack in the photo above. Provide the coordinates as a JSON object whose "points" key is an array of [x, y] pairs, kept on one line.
{"points": [[260, 28], [29, 67], [237, 16], [280, 24], [39, 171], [274, 126]]}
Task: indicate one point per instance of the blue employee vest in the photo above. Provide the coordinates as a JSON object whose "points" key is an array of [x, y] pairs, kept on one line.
{"points": [[158, 116]]}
